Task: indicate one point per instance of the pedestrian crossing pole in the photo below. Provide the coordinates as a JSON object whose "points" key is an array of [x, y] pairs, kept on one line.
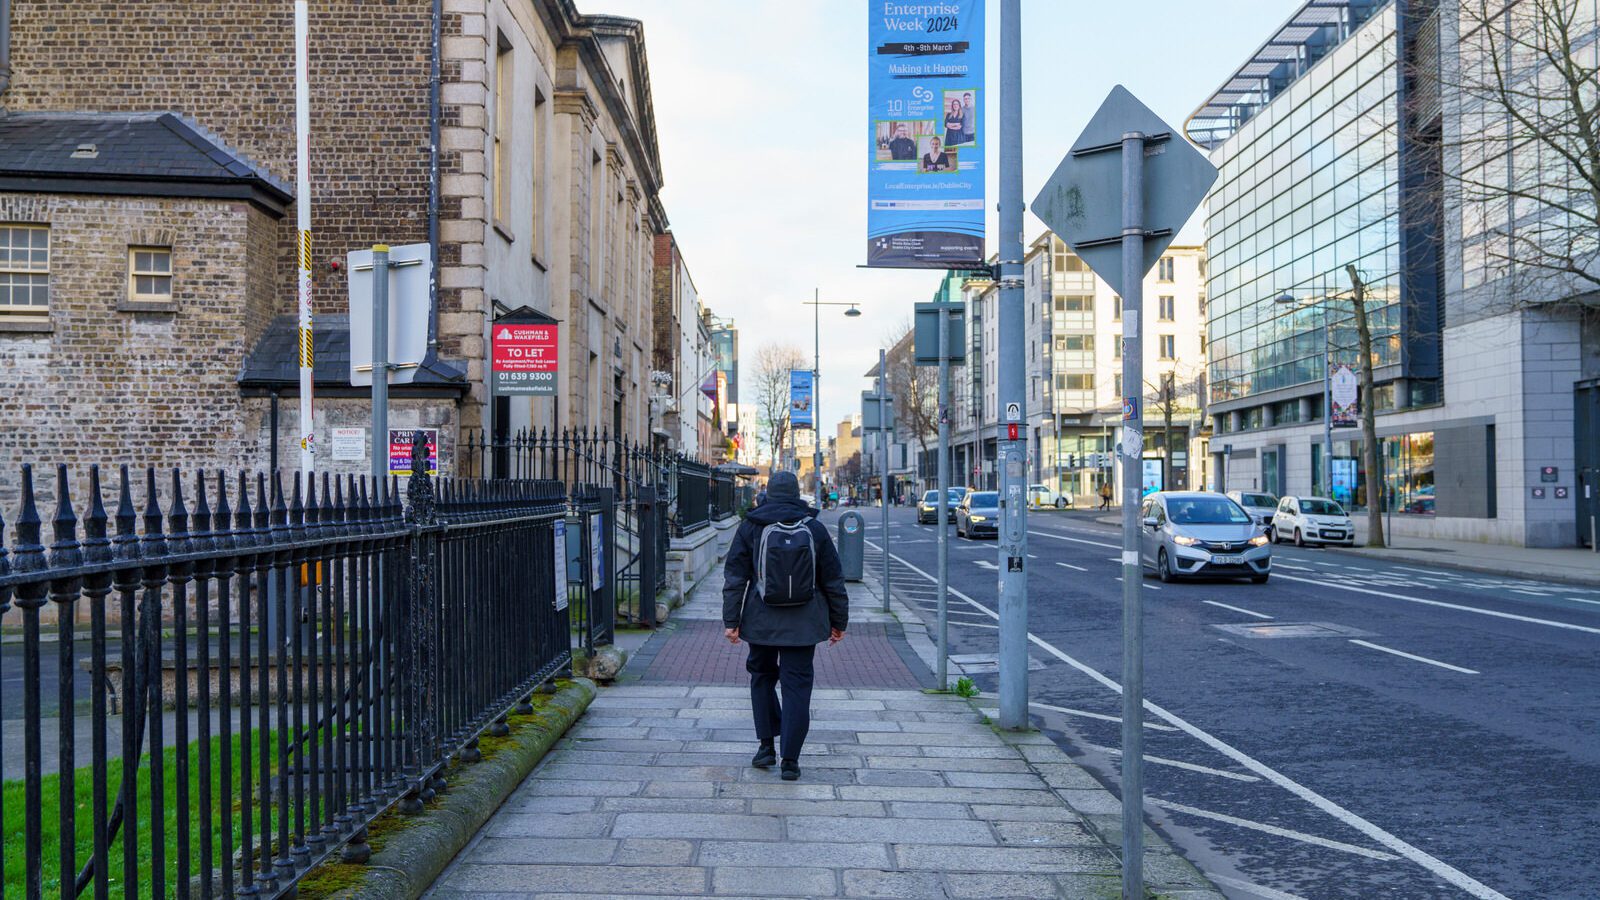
{"points": [[1013, 424], [302, 140]]}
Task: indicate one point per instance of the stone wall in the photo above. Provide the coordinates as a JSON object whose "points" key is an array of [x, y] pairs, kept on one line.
{"points": [[139, 388]]}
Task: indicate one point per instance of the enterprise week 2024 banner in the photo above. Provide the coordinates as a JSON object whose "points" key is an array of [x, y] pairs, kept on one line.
{"points": [[925, 152]]}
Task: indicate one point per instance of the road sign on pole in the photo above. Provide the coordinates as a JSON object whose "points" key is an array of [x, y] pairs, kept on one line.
{"points": [[1117, 199]]}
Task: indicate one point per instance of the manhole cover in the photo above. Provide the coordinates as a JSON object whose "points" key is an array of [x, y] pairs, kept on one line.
{"points": [[1292, 630]]}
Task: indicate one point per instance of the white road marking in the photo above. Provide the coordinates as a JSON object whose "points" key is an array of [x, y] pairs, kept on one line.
{"points": [[1284, 565], [957, 624], [1423, 571], [1573, 599], [1422, 659], [1068, 711], [1433, 864], [1033, 556], [1472, 609], [1529, 593], [1237, 609], [985, 564], [1272, 829], [1176, 764], [1061, 537], [1082, 569], [1253, 889]]}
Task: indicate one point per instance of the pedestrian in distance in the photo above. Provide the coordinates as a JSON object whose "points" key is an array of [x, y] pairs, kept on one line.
{"points": [[1105, 495], [783, 594]]}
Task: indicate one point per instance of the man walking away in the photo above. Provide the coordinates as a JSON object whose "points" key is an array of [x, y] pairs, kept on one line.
{"points": [[783, 594], [1105, 495]]}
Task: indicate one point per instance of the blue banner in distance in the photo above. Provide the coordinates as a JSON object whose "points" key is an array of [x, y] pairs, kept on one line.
{"points": [[800, 393]]}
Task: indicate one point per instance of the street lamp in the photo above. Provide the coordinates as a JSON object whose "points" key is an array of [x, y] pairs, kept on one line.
{"points": [[816, 375], [1321, 301]]}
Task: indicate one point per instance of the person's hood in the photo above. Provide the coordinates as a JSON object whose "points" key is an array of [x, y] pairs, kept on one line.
{"points": [[780, 510]]}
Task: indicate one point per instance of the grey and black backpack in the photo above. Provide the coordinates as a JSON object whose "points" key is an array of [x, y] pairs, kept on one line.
{"points": [[786, 563]]}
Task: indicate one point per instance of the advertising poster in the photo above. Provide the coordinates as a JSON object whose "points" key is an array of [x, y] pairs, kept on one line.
{"points": [[524, 359], [597, 553], [800, 395], [1152, 477], [400, 450], [925, 138], [1343, 393], [558, 563]]}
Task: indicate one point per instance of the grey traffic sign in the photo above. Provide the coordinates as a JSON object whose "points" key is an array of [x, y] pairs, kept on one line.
{"points": [[1082, 201]]}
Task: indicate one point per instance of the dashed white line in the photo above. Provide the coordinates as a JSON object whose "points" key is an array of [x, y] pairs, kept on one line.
{"points": [[1237, 609], [1083, 713], [1252, 889], [1422, 659], [1529, 593], [985, 564], [1272, 829], [960, 624], [1082, 569], [1456, 606], [1284, 565], [1431, 863], [1176, 764]]}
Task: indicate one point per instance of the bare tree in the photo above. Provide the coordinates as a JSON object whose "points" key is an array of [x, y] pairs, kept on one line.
{"points": [[1175, 394], [1523, 167], [1369, 413], [915, 389], [774, 362]]}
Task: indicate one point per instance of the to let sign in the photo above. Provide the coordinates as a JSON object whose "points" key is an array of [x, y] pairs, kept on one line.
{"points": [[525, 354]]}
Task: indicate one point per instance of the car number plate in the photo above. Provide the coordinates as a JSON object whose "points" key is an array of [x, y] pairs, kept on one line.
{"points": [[1227, 560]]}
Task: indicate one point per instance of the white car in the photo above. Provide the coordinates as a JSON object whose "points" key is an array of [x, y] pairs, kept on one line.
{"points": [[1261, 507], [1041, 495], [1312, 520]]}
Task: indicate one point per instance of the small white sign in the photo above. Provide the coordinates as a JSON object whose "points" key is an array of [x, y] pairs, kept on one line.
{"points": [[560, 566], [349, 444], [1013, 412]]}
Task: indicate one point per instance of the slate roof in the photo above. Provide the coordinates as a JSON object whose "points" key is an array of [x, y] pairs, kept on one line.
{"points": [[275, 360], [132, 153]]}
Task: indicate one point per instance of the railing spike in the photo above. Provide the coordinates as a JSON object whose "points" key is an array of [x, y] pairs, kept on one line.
{"points": [[65, 550], [178, 517], [96, 543], [222, 525], [155, 542]]}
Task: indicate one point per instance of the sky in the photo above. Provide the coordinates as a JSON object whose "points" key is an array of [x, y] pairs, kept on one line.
{"points": [[761, 113]]}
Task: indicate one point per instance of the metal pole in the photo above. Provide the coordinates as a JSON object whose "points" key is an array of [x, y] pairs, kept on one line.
{"points": [[1132, 478], [942, 676], [1327, 402], [883, 474], [302, 127], [1009, 383], [816, 394], [380, 365]]}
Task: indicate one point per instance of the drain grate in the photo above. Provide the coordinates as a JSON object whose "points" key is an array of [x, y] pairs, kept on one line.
{"points": [[1293, 630]]}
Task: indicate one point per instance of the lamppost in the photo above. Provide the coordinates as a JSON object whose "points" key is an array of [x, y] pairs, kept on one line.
{"points": [[1321, 301], [816, 375]]}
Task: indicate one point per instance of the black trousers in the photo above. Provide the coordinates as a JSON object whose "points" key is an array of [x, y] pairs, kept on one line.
{"points": [[791, 667]]}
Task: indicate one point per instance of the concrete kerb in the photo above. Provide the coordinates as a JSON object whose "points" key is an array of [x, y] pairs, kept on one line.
{"points": [[413, 854], [1172, 876]]}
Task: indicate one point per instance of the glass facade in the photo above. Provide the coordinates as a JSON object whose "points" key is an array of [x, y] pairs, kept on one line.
{"points": [[1308, 185]]}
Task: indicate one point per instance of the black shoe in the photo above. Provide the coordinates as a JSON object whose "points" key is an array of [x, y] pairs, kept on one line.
{"points": [[764, 757], [791, 770]]}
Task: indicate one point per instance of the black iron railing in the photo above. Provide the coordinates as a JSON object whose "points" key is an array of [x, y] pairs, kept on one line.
{"points": [[280, 669], [694, 498]]}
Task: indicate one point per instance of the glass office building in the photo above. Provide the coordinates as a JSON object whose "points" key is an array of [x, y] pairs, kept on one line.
{"points": [[1311, 147]]}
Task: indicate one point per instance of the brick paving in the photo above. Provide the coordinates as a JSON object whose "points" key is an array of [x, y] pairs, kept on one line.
{"points": [[697, 653], [904, 794]]}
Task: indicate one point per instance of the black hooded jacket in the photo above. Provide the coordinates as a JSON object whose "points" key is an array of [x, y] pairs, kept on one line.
{"points": [[782, 626]]}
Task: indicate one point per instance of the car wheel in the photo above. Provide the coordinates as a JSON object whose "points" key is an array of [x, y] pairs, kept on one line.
{"points": [[1061, 503], [1272, 536], [1299, 539], [1164, 567], [1258, 579]]}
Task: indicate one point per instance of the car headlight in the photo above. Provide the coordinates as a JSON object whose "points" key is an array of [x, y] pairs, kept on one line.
{"points": [[1184, 540], [1259, 540], [978, 518]]}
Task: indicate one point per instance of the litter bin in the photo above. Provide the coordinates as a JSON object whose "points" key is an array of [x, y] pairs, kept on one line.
{"points": [[852, 545]]}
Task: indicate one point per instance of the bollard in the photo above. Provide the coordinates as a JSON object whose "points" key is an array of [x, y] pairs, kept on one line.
{"points": [[852, 545]]}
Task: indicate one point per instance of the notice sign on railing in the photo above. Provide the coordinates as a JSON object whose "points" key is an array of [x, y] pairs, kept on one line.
{"points": [[524, 359], [925, 171]]}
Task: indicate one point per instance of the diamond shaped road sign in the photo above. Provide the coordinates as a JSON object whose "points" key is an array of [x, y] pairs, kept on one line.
{"points": [[1082, 201]]}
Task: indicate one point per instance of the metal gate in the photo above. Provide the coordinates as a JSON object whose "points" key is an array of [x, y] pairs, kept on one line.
{"points": [[1586, 434]]}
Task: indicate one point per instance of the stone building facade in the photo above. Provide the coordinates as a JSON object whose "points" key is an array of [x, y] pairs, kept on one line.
{"points": [[548, 197]]}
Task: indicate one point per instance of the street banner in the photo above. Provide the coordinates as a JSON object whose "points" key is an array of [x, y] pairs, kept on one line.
{"points": [[1346, 403], [524, 357], [800, 389], [400, 440], [925, 172], [559, 560]]}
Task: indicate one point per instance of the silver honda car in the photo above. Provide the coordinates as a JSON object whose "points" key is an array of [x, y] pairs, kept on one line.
{"points": [[1200, 533]]}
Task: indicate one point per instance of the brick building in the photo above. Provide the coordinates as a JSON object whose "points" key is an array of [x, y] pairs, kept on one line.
{"points": [[146, 226]]}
